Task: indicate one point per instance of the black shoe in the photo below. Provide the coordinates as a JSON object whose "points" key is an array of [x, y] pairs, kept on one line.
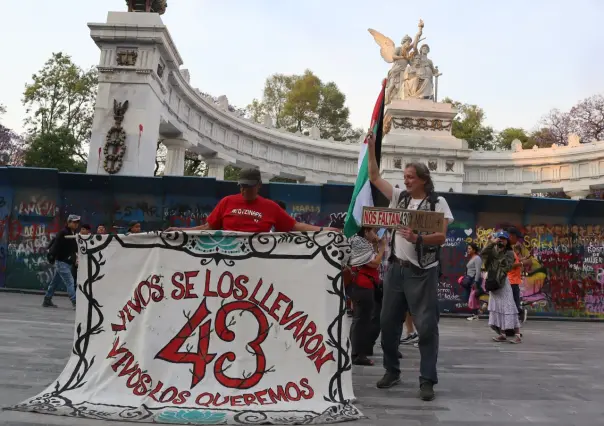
{"points": [[48, 303], [426, 391], [399, 354], [73, 304], [362, 360], [389, 380]]}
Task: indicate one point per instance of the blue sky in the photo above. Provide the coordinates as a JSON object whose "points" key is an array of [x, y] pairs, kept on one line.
{"points": [[516, 59]]}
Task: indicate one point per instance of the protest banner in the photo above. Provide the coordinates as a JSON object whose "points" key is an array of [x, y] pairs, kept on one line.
{"points": [[208, 328], [417, 220]]}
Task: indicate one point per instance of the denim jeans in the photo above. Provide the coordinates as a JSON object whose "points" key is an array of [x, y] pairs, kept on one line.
{"points": [[63, 274], [415, 290]]}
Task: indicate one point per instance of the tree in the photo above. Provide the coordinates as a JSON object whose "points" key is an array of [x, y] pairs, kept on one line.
{"points": [[231, 172], [54, 149], [62, 96], [587, 119], [555, 127], [469, 125], [505, 138], [300, 102], [194, 165], [543, 137], [11, 145]]}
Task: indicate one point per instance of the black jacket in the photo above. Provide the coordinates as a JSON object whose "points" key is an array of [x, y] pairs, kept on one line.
{"points": [[64, 249]]}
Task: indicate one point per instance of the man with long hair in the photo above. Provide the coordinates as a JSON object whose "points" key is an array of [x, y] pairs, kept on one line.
{"points": [[412, 279]]}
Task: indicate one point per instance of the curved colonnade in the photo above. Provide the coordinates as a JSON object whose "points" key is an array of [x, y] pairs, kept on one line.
{"points": [[140, 63]]}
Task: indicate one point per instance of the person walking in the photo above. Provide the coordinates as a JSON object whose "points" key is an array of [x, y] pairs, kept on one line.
{"points": [[473, 278], [412, 279], [503, 313], [63, 253]]}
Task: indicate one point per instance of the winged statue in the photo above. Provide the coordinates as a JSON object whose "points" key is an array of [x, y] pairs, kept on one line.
{"points": [[400, 57]]}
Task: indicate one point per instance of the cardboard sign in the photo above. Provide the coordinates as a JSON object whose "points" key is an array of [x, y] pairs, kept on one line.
{"points": [[208, 328], [418, 220]]}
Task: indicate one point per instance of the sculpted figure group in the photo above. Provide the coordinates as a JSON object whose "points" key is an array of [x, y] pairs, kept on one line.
{"points": [[413, 75]]}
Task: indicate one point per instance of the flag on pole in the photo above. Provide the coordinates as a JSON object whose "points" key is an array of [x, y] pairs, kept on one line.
{"points": [[362, 193]]}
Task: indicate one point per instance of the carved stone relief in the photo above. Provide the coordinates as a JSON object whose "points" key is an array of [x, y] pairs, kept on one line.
{"points": [[126, 58], [449, 164], [398, 163], [115, 144], [421, 124], [432, 165]]}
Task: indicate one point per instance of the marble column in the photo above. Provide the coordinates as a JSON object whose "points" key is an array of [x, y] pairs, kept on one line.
{"points": [[216, 165], [175, 158], [578, 194]]}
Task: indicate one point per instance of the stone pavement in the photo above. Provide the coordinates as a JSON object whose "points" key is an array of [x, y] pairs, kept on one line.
{"points": [[556, 377]]}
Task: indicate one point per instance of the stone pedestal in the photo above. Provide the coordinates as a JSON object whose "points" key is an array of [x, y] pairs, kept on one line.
{"points": [[175, 157], [418, 130], [131, 68]]}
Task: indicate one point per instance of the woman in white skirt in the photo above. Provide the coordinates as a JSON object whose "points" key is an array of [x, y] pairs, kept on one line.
{"points": [[503, 313]]}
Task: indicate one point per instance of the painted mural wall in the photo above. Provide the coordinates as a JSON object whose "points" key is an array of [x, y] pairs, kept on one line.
{"points": [[565, 237]]}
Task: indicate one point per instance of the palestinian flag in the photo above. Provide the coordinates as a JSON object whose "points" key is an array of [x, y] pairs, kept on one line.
{"points": [[362, 194]]}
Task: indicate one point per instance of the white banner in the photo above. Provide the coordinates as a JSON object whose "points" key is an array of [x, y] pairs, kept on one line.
{"points": [[208, 328]]}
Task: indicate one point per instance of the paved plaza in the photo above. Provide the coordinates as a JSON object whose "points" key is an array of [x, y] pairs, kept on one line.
{"points": [[555, 377]]}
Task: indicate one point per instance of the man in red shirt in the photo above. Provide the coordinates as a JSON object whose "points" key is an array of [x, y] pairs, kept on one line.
{"points": [[249, 212]]}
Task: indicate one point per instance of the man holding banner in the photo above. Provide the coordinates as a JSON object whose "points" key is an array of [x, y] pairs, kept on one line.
{"points": [[411, 281]]}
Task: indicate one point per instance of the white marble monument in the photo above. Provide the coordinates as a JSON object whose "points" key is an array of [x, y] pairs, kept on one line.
{"points": [[416, 127], [139, 63]]}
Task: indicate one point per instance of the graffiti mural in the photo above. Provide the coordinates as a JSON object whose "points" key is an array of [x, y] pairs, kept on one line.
{"points": [[33, 223], [565, 276], [566, 247]]}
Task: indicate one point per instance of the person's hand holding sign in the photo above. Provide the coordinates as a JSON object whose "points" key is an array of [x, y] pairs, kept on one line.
{"points": [[407, 233]]}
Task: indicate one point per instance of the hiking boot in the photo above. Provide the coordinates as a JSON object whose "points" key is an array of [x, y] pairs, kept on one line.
{"points": [[389, 380], [426, 391], [48, 303]]}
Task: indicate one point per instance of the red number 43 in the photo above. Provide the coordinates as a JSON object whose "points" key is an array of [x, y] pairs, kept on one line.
{"points": [[200, 358]]}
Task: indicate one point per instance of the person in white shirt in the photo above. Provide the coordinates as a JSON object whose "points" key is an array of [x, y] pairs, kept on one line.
{"points": [[411, 281]]}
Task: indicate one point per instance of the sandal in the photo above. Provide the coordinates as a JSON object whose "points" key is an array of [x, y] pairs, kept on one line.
{"points": [[500, 338]]}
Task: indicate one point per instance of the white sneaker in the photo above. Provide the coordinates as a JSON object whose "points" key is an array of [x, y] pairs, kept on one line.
{"points": [[473, 317], [416, 345]]}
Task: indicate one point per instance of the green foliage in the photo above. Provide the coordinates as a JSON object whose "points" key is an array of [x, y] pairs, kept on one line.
{"points": [[54, 149], [505, 138], [299, 102], [61, 96], [469, 125], [231, 172]]}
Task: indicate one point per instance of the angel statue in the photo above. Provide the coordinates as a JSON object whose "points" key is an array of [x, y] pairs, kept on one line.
{"points": [[420, 76], [400, 57]]}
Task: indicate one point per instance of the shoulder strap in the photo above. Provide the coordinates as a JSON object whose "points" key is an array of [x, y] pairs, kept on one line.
{"points": [[402, 195], [433, 199]]}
